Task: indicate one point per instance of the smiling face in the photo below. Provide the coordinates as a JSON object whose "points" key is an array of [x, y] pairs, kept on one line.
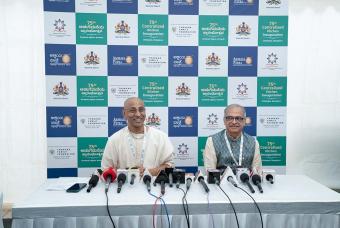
{"points": [[234, 121], [134, 113]]}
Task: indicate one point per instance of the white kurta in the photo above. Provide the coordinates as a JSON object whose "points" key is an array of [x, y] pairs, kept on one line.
{"points": [[118, 154]]}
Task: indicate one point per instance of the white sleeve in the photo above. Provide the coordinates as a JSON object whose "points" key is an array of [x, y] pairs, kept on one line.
{"points": [[167, 152], [257, 162], [109, 158], [209, 155]]}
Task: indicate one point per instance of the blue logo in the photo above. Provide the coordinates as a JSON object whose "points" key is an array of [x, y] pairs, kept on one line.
{"points": [[123, 60], [122, 6], [243, 7], [250, 127], [61, 121], [116, 120], [60, 59], [183, 61], [183, 121], [59, 5], [183, 7], [242, 61]]}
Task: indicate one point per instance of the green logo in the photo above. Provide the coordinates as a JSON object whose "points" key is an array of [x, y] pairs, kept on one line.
{"points": [[212, 91], [273, 150], [90, 151], [213, 30], [152, 30], [91, 28], [153, 90], [271, 91], [201, 147], [273, 31], [92, 91]]}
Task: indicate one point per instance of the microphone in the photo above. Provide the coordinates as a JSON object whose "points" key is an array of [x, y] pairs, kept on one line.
{"points": [[162, 178], [109, 176], [269, 175], [256, 179], [93, 182], [188, 182], [231, 180], [147, 180], [121, 180], [133, 174], [201, 180], [243, 176]]}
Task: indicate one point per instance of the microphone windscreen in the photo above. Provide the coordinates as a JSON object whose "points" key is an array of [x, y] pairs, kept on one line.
{"points": [[146, 178], [110, 172], [244, 177], [256, 178], [122, 177]]}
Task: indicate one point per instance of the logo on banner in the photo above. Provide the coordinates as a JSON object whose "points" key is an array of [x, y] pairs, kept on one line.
{"points": [[182, 121], [243, 29], [122, 60], [122, 28], [61, 153], [273, 2], [242, 89], [91, 59], [153, 120], [242, 61], [93, 122], [123, 92], [212, 120], [183, 90], [272, 58], [183, 61], [118, 122], [213, 60], [183, 3], [248, 121], [61, 89], [59, 26], [61, 122], [183, 149], [243, 2], [155, 2], [60, 60]]}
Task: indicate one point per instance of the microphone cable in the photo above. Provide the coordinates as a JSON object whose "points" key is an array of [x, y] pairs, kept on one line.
{"points": [[257, 206], [154, 208], [232, 205], [185, 206], [108, 210]]}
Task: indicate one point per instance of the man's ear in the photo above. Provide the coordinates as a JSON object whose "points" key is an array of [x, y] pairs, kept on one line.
{"points": [[123, 113]]}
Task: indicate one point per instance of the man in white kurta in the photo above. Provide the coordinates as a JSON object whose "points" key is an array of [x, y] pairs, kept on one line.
{"points": [[137, 145]]}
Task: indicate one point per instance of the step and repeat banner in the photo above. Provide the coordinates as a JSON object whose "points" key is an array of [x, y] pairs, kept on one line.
{"points": [[187, 59]]}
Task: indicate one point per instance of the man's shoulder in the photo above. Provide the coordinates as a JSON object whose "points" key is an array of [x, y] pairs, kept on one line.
{"points": [[157, 133], [117, 135]]}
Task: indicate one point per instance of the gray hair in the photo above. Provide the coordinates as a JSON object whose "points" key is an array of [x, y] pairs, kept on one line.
{"points": [[231, 106], [132, 98]]}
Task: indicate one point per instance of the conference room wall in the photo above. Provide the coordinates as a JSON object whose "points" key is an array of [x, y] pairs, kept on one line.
{"points": [[313, 122]]}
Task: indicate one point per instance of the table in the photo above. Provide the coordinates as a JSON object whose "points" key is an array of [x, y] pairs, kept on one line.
{"points": [[1, 201], [292, 201]]}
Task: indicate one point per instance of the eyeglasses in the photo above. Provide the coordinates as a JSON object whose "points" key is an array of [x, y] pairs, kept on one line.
{"points": [[133, 111], [236, 118]]}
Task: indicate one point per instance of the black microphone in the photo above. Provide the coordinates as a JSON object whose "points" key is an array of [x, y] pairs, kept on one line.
{"points": [[121, 180], [256, 179], [171, 180], [133, 177], [270, 178], [93, 182], [147, 180], [201, 180], [231, 180], [188, 183], [244, 177]]}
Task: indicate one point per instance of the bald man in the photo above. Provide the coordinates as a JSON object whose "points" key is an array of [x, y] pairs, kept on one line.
{"points": [[231, 146], [138, 145]]}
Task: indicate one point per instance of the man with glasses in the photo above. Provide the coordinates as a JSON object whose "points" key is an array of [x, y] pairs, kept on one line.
{"points": [[137, 145], [233, 147]]}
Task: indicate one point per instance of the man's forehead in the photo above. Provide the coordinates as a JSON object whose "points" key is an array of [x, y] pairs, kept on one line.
{"points": [[234, 110], [135, 102]]}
